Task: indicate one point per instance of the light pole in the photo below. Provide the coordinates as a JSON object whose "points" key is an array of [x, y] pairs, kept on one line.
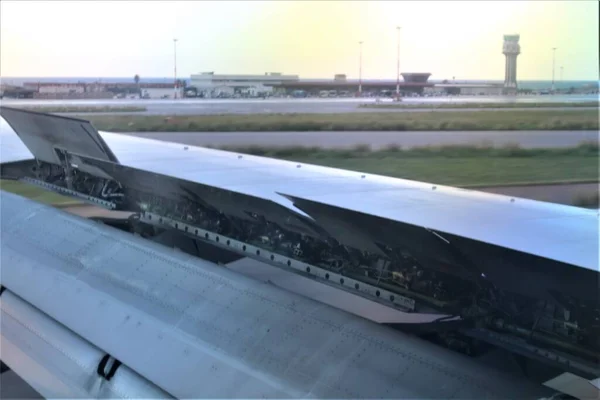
{"points": [[553, 60], [561, 73], [175, 68], [398, 66], [360, 68]]}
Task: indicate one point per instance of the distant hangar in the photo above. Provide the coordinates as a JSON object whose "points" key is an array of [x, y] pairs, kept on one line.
{"points": [[411, 82], [212, 84]]}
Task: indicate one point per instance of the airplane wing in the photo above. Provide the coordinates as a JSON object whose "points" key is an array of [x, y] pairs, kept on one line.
{"points": [[195, 329], [58, 363], [519, 274]]}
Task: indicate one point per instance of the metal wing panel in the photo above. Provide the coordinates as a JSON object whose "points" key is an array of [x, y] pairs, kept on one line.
{"points": [[365, 232], [552, 231], [275, 208], [552, 278], [570, 237], [217, 168], [463, 256], [213, 332], [462, 216]]}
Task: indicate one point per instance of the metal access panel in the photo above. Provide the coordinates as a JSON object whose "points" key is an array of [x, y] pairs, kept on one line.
{"points": [[46, 135]]}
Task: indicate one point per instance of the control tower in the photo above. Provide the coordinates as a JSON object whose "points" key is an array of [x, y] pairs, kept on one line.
{"points": [[511, 50]]}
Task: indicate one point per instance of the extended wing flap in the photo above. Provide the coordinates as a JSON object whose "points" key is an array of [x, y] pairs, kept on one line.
{"points": [[462, 255]]}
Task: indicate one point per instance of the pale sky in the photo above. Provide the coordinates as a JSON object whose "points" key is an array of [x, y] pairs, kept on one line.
{"points": [[314, 39]]}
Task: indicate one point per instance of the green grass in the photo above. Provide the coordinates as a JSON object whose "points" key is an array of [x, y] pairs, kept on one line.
{"points": [[84, 109], [392, 121], [465, 166], [459, 105], [471, 171], [36, 193]]}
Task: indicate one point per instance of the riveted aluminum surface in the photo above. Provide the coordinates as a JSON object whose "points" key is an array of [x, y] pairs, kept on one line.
{"points": [[199, 330], [552, 231], [557, 232], [56, 362]]}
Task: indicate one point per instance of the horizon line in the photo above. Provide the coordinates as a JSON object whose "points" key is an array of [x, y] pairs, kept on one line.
{"points": [[170, 77]]}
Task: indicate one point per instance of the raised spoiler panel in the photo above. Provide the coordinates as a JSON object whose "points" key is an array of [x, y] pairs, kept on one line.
{"points": [[520, 272], [43, 134], [228, 202], [560, 233]]}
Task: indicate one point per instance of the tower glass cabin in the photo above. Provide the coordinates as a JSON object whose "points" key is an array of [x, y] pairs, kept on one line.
{"points": [[511, 49]]}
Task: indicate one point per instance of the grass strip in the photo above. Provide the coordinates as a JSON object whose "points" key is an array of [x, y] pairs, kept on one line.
{"points": [[459, 105], [35, 193], [464, 166], [377, 121]]}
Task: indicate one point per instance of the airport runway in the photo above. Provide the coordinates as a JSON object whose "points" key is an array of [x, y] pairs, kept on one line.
{"points": [[377, 139], [303, 109], [291, 105]]}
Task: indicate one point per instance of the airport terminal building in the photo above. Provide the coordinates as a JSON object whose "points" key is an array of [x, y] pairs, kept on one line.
{"points": [[210, 84], [100, 90], [410, 83], [466, 89]]}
